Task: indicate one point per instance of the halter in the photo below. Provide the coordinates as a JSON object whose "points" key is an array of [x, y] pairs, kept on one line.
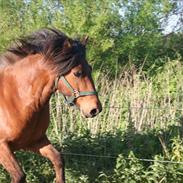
{"points": [[70, 100]]}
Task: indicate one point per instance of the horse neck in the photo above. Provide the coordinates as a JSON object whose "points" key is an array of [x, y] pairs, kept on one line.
{"points": [[33, 81]]}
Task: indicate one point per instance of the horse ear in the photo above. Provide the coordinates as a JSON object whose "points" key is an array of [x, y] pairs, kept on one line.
{"points": [[84, 41], [67, 44]]}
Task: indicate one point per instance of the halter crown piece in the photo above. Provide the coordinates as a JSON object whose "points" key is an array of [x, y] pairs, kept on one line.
{"points": [[70, 100]]}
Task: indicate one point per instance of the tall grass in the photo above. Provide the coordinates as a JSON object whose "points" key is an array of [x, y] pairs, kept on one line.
{"points": [[131, 99]]}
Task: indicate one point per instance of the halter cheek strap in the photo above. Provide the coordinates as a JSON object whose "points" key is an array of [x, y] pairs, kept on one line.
{"points": [[75, 93]]}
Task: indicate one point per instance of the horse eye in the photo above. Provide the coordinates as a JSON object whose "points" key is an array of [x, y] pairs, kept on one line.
{"points": [[78, 74]]}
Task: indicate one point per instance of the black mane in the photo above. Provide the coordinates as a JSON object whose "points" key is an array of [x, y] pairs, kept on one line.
{"points": [[51, 44]]}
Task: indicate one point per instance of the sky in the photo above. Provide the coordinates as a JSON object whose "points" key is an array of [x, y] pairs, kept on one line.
{"points": [[174, 19], [171, 24]]}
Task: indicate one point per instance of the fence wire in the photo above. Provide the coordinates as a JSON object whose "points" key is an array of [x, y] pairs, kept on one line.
{"points": [[141, 108], [115, 156]]}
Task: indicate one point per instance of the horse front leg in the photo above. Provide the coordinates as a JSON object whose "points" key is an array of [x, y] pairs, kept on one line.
{"points": [[9, 162], [46, 149]]}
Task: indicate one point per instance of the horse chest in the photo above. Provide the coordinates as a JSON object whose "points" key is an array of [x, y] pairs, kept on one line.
{"points": [[32, 130], [38, 125]]}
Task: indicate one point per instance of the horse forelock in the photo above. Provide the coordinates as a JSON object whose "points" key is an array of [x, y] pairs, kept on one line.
{"points": [[50, 43]]}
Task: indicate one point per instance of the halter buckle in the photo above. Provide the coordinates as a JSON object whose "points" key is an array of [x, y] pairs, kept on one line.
{"points": [[76, 93]]}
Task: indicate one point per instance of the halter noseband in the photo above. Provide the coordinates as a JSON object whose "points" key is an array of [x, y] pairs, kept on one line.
{"points": [[75, 93]]}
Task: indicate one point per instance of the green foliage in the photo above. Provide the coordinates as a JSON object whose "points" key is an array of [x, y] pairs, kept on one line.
{"points": [[131, 169], [37, 169], [120, 31]]}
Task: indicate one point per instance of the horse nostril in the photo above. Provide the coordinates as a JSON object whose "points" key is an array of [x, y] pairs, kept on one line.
{"points": [[93, 112]]}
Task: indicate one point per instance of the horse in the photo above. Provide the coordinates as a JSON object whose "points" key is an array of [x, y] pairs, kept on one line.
{"points": [[31, 70]]}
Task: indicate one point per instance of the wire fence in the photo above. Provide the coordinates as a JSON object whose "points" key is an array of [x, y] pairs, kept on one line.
{"points": [[128, 108], [115, 156], [147, 108]]}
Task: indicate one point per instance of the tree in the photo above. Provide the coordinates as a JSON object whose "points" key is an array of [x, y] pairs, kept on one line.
{"points": [[119, 30]]}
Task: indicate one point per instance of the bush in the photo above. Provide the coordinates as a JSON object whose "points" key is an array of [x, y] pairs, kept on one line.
{"points": [[131, 169]]}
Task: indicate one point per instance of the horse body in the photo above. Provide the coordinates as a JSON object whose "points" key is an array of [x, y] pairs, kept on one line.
{"points": [[24, 100], [25, 89], [29, 74]]}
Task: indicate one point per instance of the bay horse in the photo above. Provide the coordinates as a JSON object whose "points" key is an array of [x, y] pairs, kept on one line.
{"points": [[31, 70]]}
